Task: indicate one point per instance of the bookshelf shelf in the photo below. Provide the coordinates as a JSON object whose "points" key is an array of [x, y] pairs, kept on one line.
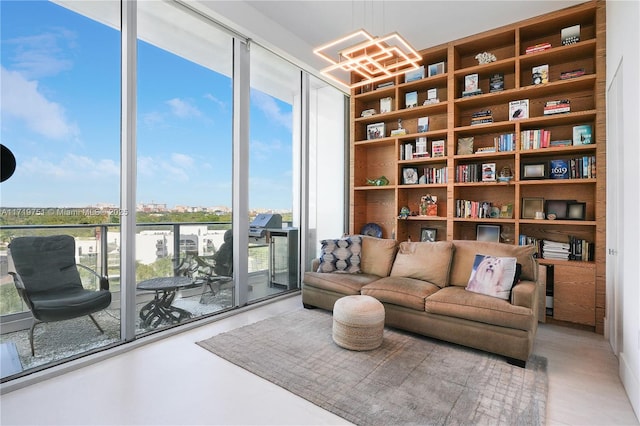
{"points": [[450, 119]]}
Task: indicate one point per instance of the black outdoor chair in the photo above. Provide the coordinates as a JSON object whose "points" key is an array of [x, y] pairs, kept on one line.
{"points": [[214, 274], [46, 276]]}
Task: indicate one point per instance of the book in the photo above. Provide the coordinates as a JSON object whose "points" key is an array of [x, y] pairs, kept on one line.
{"points": [[375, 131], [537, 48], [432, 94], [565, 75], [421, 147], [423, 124], [435, 69], [540, 74], [496, 82], [570, 35], [558, 169], [471, 82], [385, 105], [437, 148], [411, 99], [557, 107], [582, 134], [519, 109]]}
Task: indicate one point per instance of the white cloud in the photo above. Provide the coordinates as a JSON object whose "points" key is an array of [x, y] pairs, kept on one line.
{"points": [[182, 160], [216, 101], [41, 55], [270, 108], [23, 99], [71, 167], [183, 109]]}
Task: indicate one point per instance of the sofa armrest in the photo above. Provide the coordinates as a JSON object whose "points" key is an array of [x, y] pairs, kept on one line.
{"points": [[525, 294], [314, 264]]}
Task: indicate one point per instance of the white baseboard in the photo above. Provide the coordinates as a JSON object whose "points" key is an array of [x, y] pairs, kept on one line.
{"points": [[630, 382]]}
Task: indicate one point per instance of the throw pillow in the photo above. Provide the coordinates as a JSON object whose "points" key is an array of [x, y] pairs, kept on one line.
{"points": [[493, 276], [424, 261], [341, 255]]}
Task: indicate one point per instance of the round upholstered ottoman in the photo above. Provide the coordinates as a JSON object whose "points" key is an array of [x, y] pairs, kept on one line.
{"points": [[358, 322]]}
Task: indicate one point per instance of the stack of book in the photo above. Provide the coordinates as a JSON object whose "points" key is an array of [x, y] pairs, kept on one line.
{"points": [[555, 250], [537, 48], [557, 107], [481, 117], [572, 74]]}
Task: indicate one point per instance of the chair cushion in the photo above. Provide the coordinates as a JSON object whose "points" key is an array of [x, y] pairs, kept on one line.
{"points": [[401, 291], [455, 301], [377, 255], [347, 284], [424, 261], [69, 303]]}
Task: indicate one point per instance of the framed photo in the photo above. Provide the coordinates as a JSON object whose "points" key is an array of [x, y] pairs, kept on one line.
{"points": [[411, 99], [489, 233], [414, 75], [558, 208], [385, 105], [534, 171], [576, 211], [435, 69], [375, 131], [506, 211], [428, 235], [410, 175], [530, 206]]}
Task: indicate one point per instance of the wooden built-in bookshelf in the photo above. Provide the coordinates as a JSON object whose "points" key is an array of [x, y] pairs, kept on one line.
{"points": [[579, 286]]}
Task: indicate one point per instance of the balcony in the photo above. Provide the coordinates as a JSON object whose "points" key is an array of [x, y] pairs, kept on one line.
{"points": [[160, 247]]}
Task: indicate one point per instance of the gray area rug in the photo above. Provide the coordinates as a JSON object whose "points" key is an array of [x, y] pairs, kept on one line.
{"points": [[408, 380]]}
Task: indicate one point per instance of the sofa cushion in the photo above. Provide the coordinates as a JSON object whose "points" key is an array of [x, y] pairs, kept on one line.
{"points": [[341, 255], [455, 301], [347, 284], [427, 261], [492, 276], [377, 255], [402, 291], [465, 254]]}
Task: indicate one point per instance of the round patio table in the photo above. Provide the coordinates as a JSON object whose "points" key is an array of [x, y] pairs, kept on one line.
{"points": [[159, 309]]}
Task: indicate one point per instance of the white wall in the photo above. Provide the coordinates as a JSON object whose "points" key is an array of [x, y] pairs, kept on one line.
{"points": [[623, 50]]}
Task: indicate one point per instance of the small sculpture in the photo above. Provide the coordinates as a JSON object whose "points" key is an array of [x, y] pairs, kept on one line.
{"points": [[485, 58], [505, 174], [381, 181], [404, 212]]}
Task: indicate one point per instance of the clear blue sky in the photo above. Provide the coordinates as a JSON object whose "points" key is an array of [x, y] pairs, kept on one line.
{"points": [[60, 114]]}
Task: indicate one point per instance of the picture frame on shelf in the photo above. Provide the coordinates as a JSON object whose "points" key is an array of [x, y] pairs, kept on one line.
{"points": [[410, 175], [557, 208], [534, 171], [414, 74], [465, 145], [576, 211], [506, 211], [428, 235], [375, 131], [411, 99], [531, 205], [385, 104], [435, 69], [488, 233]]}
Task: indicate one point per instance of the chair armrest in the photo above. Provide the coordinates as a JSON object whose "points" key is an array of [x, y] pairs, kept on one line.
{"points": [[104, 281]]}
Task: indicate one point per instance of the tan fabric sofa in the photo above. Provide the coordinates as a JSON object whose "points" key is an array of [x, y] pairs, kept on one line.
{"points": [[422, 287]]}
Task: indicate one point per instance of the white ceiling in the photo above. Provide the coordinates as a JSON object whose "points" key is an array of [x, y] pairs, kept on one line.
{"points": [[423, 23]]}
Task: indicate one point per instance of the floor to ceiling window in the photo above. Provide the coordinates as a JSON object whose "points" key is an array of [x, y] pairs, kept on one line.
{"points": [[184, 165], [274, 185], [60, 112]]}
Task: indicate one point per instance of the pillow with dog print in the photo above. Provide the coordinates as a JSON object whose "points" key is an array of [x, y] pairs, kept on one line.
{"points": [[493, 276]]}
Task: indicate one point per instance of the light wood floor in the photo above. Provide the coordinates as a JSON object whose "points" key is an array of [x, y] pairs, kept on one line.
{"points": [[175, 382]]}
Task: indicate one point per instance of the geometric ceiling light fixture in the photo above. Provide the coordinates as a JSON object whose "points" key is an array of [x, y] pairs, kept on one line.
{"points": [[373, 58]]}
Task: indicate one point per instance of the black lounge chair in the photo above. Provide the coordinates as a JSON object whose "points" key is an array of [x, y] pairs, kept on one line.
{"points": [[46, 276]]}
